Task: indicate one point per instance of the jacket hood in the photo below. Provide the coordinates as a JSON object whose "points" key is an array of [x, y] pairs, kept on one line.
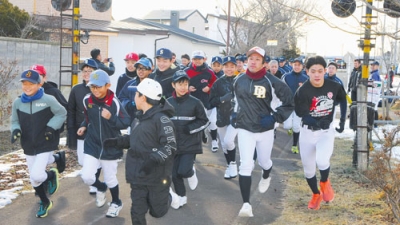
{"points": [[49, 84]]}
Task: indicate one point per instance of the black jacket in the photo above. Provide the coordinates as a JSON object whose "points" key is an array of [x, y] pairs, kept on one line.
{"points": [[221, 87], [123, 79], [354, 79], [200, 77], [165, 79], [99, 128], [153, 133], [75, 114], [190, 118], [256, 98], [51, 88], [110, 70]]}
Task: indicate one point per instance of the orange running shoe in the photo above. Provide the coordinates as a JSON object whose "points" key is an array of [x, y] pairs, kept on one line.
{"points": [[327, 192], [315, 202]]}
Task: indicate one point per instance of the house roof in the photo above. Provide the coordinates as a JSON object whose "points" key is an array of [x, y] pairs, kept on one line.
{"points": [[166, 14], [100, 25], [177, 31]]}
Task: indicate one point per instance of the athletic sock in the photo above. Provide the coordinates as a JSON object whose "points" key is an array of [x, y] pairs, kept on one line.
{"points": [[101, 186], [295, 138], [245, 185], [232, 155], [227, 158], [324, 174], [115, 195], [41, 192], [50, 175], [98, 173], [312, 182], [266, 173], [213, 134]]}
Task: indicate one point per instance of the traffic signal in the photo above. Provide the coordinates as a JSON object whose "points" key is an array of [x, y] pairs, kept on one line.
{"points": [[343, 8], [101, 5], [61, 5], [393, 5]]}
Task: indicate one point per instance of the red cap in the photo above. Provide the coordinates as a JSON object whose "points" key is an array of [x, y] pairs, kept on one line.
{"points": [[40, 69], [132, 56]]}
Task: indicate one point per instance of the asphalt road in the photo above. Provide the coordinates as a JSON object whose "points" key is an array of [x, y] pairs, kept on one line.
{"points": [[215, 201]]}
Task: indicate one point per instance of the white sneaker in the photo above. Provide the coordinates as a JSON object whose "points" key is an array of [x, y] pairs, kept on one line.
{"points": [[227, 174], [100, 198], [246, 210], [214, 145], [113, 210], [233, 171], [193, 181], [92, 190], [175, 201], [264, 184], [182, 200]]}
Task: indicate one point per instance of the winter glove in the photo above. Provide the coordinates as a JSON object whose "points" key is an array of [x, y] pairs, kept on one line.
{"points": [[324, 123], [15, 135], [310, 121], [49, 133], [110, 142], [267, 121], [233, 119], [341, 125], [226, 97]]}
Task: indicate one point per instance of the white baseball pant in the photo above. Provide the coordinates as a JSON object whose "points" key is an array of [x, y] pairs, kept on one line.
{"points": [[37, 167], [292, 122], [227, 135], [90, 166]]}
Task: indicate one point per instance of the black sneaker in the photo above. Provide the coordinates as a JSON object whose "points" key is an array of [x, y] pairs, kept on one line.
{"points": [[205, 138], [44, 209], [52, 185], [60, 161]]}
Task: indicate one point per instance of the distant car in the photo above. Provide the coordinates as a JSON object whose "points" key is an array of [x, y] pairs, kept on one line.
{"points": [[341, 64]]}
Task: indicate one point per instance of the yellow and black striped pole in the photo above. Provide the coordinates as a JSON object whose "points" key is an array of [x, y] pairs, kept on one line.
{"points": [[76, 32], [362, 121]]}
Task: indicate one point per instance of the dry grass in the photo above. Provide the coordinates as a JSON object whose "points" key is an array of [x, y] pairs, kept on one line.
{"points": [[356, 201]]}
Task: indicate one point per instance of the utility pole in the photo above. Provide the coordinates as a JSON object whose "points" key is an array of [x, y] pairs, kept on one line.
{"points": [[361, 135], [229, 28], [76, 32]]}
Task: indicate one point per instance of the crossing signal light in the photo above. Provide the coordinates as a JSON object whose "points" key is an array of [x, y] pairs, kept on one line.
{"points": [[343, 8], [61, 5]]}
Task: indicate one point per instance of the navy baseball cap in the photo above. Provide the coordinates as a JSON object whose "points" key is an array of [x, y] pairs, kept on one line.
{"points": [[282, 58], [229, 59], [30, 75], [216, 59], [164, 53], [144, 62], [375, 63], [240, 58], [89, 63], [267, 58], [298, 60], [180, 74], [98, 78]]}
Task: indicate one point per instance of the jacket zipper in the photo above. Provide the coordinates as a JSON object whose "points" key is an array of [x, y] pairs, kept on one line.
{"points": [[101, 135], [33, 141]]}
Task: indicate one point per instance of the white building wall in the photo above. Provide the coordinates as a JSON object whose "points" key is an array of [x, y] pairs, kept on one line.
{"points": [[194, 21]]}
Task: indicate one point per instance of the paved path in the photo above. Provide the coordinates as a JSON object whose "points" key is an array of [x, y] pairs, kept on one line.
{"points": [[215, 201]]}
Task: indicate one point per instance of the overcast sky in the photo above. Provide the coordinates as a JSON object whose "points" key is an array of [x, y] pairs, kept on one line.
{"points": [[318, 37]]}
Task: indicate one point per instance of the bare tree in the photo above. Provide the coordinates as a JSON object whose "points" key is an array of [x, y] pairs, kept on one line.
{"points": [[256, 21], [8, 73]]}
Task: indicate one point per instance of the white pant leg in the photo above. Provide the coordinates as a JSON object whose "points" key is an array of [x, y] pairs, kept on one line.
{"points": [[79, 151], [324, 148], [265, 142], [37, 167], [247, 143], [221, 133], [230, 136], [110, 172], [307, 144], [89, 169], [288, 123], [296, 123], [212, 117]]}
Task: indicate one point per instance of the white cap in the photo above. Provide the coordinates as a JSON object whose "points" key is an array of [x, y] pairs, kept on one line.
{"points": [[198, 54], [150, 88], [257, 50]]}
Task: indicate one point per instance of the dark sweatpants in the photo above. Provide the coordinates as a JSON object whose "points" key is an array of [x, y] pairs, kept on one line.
{"points": [[183, 168], [155, 199]]}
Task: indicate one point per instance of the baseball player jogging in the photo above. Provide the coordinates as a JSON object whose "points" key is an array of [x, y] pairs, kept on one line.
{"points": [[315, 103]]}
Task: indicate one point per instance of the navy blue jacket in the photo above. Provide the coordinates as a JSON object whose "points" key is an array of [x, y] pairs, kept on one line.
{"points": [[293, 80]]}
